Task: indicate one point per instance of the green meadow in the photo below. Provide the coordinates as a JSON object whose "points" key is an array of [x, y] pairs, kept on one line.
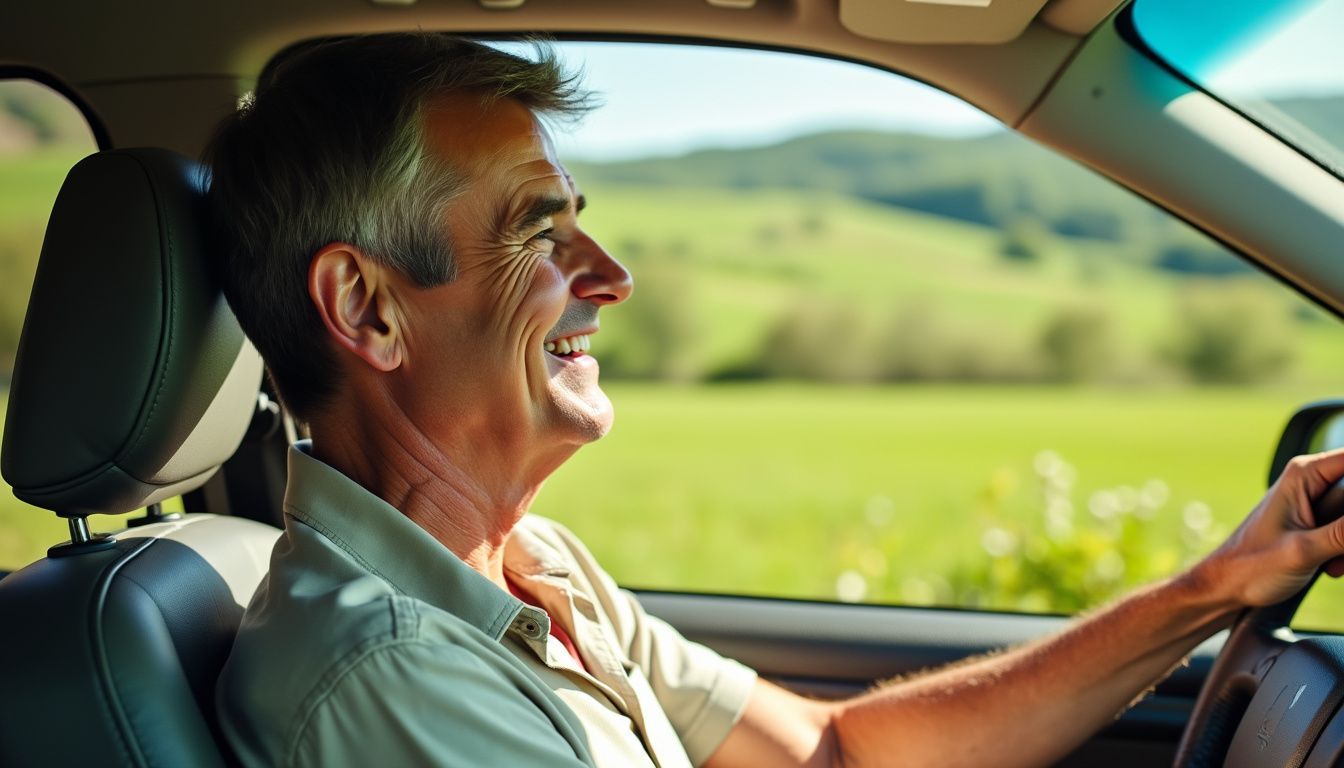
{"points": [[782, 490]]}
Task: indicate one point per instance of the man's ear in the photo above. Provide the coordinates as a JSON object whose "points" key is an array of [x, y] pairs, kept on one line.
{"points": [[350, 292]]}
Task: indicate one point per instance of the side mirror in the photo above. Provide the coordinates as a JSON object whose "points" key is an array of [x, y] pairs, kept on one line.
{"points": [[1315, 427]]}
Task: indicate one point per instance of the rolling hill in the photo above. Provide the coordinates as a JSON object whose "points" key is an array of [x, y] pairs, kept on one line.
{"points": [[1000, 179]]}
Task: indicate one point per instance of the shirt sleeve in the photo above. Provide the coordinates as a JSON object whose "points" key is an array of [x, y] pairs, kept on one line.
{"points": [[702, 692], [417, 703]]}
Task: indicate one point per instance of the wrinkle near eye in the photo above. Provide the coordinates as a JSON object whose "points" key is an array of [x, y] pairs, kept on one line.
{"points": [[514, 274]]}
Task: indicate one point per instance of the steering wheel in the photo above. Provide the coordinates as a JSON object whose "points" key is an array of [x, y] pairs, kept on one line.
{"points": [[1271, 698]]}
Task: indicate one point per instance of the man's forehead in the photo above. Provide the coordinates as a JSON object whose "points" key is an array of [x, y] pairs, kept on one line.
{"points": [[473, 133]]}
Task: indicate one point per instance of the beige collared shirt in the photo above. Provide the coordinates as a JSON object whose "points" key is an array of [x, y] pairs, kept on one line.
{"points": [[370, 643]]}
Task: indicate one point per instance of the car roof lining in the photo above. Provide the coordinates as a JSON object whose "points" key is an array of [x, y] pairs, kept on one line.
{"points": [[235, 40]]}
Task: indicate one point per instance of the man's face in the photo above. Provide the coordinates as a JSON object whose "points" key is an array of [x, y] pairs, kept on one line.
{"points": [[503, 347]]}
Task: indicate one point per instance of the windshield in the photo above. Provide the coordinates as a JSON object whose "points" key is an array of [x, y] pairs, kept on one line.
{"points": [[1278, 62]]}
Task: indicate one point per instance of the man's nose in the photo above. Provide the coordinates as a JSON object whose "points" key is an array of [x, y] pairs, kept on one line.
{"points": [[601, 278]]}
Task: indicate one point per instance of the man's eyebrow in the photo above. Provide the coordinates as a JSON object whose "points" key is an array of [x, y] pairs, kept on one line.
{"points": [[579, 204], [540, 208]]}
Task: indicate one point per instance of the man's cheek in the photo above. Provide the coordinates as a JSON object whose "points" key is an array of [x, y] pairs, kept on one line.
{"points": [[539, 303], [549, 292]]}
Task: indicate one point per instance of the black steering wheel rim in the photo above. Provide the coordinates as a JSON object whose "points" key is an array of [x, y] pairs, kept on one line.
{"points": [[1256, 639]]}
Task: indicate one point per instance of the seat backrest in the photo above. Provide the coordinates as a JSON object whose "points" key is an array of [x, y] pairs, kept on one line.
{"points": [[133, 383], [110, 657]]}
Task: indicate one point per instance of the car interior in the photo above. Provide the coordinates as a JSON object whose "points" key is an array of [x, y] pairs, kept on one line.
{"points": [[134, 384]]}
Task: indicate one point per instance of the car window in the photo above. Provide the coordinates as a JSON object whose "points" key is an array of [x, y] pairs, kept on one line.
{"points": [[882, 349], [1279, 62], [41, 136]]}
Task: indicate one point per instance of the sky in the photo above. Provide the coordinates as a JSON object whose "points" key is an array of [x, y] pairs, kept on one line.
{"points": [[662, 99], [667, 100]]}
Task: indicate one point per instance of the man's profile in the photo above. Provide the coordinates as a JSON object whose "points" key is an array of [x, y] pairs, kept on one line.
{"points": [[404, 248]]}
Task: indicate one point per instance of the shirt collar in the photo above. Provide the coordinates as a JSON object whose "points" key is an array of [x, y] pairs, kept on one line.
{"points": [[384, 541]]}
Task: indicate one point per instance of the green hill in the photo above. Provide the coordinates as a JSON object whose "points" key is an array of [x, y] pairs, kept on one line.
{"points": [[1000, 179], [994, 180], [735, 283]]}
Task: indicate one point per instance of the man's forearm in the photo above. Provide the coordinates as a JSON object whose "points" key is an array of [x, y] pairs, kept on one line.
{"points": [[1031, 705]]}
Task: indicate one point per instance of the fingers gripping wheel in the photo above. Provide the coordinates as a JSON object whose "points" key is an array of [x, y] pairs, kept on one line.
{"points": [[1269, 697]]}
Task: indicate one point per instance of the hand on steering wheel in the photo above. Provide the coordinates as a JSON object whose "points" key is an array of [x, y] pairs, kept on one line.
{"points": [[1266, 565]]}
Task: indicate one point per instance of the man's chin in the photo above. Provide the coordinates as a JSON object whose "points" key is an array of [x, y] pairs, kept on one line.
{"points": [[597, 418], [581, 414], [579, 405]]}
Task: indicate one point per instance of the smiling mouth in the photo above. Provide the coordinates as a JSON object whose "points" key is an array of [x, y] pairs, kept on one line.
{"points": [[569, 347]]}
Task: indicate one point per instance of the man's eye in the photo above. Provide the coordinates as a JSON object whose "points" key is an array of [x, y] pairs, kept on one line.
{"points": [[544, 234]]}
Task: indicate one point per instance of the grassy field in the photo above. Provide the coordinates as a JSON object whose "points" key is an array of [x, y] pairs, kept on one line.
{"points": [[781, 490]]}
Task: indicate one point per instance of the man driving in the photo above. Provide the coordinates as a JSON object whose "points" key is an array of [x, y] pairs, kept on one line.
{"points": [[404, 249]]}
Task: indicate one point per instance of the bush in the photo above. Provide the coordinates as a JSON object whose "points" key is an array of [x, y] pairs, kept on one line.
{"points": [[818, 340], [1091, 223], [1077, 344], [920, 343], [831, 341], [1232, 336], [1199, 259], [1023, 240], [1067, 560]]}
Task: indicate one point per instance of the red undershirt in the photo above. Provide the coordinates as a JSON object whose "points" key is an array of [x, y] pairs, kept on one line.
{"points": [[557, 631]]}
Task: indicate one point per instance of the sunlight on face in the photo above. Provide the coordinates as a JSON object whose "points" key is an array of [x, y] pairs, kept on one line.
{"points": [[528, 279]]}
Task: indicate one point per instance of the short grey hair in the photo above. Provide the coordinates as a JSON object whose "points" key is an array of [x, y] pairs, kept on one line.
{"points": [[329, 148]]}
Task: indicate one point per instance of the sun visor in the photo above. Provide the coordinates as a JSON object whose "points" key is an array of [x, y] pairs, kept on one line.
{"points": [[939, 21]]}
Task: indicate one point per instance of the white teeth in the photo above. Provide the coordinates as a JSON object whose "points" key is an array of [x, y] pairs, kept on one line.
{"points": [[580, 343]]}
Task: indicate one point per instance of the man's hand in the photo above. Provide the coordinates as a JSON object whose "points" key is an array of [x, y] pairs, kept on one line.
{"points": [[1278, 547]]}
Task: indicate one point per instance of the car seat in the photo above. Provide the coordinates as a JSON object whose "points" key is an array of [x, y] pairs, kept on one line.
{"points": [[133, 384]]}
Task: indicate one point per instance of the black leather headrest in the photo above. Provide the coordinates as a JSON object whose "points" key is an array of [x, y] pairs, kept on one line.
{"points": [[133, 381]]}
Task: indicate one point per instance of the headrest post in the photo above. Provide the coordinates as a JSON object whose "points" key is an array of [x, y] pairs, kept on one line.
{"points": [[79, 530], [82, 540], [153, 514]]}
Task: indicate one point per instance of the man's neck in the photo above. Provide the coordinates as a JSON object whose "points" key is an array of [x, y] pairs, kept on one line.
{"points": [[462, 491]]}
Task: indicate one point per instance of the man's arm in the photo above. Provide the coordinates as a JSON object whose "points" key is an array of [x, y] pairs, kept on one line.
{"points": [[1032, 705]]}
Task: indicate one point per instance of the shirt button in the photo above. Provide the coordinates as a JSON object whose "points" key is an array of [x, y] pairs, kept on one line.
{"points": [[528, 627]]}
